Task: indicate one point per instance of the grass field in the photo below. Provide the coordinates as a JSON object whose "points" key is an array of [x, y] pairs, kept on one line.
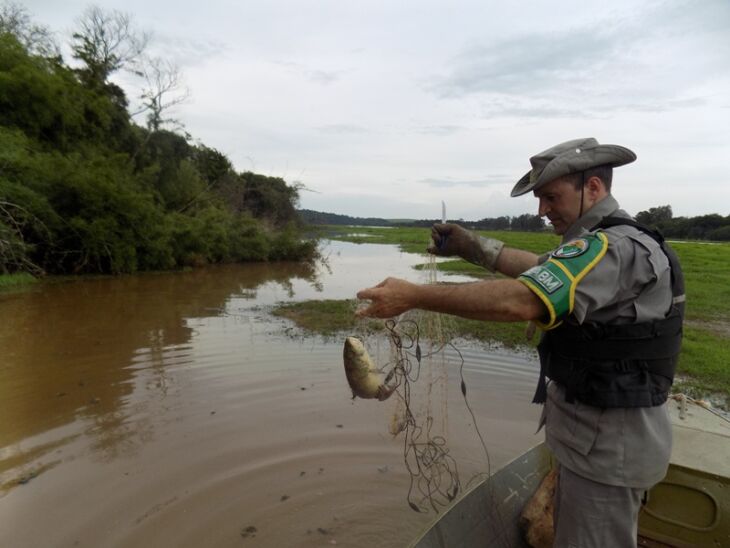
{"points": [[704, 366]]}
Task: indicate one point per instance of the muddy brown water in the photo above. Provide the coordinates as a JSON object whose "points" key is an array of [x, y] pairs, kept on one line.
{"points": [[173, 410]]}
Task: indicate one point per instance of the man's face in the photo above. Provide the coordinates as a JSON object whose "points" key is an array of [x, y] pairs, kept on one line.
{"points": [[560, 203]]}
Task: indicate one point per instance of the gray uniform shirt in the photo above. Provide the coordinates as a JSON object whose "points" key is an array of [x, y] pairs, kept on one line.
{"points": [[627, 447]]}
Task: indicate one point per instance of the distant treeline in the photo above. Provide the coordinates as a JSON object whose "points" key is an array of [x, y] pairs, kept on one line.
{"points": [[526, 222], [84, 189], [704, 227], [311, 217], [522, 223]]}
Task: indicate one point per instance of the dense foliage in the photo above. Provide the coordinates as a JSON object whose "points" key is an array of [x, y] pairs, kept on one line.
{"points": [[84, 189], [704, 227]]}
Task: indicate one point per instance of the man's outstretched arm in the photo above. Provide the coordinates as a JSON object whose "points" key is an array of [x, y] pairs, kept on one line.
{"points": [[495, 300], [513, 262]]}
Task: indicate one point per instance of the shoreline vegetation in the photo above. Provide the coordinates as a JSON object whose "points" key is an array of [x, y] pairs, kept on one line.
{"points": [[15, 282], [87, 186], [702, 371]]}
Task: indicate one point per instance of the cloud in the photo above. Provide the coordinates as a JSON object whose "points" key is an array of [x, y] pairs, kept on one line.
{"points": [[439, 130], [318, 76], [324, 77], [185, 51], [342, 129], [645, 61], [524, 64], [450, 183], [518, 107]]}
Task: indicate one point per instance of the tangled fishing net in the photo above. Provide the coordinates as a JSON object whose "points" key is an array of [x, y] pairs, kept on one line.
{"points": [[419, 355]]}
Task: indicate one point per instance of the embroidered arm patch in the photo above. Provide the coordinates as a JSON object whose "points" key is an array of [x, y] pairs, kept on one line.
{"points": [[555, 280]]}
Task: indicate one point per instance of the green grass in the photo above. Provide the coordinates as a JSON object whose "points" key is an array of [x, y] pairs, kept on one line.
{"points": [[705, 356], [703, 363], [410, 240], [707, 279], [326, 317], [458, 266], [11, 282]]}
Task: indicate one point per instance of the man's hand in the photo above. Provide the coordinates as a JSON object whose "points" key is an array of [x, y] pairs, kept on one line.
{"points": [[389, 298], [451, 239]]}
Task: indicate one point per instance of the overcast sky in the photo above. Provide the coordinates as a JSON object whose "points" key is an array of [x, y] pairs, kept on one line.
{"points": [[384, 108]]}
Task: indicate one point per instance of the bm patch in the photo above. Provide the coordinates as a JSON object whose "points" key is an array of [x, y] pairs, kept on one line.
{"points": [[544, 278]]}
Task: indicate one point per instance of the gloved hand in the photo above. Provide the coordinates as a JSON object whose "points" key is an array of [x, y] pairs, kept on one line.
{"points": [[450, 239]]}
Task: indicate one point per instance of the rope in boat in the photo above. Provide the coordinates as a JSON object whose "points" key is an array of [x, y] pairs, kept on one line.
{"points": [[682, 399]]}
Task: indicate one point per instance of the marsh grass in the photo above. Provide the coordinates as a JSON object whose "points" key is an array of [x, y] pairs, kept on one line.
{"points": [[459, 267], [326, 317], [11, 282]]}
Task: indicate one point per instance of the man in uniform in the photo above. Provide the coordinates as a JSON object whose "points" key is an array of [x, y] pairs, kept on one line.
{"points": [[609, 300]]}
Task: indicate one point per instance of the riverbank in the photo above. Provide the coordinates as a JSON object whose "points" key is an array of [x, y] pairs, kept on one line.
{"points": [[14, 282], [702, 370]]}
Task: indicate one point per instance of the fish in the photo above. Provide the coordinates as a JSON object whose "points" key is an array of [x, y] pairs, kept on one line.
{"points": [[363, 377]]}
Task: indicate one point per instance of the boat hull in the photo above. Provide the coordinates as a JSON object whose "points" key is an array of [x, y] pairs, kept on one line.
{"points": [[488, 514]]}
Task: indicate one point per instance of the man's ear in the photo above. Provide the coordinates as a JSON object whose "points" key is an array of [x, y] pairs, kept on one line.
{"points": [[595, 189]]}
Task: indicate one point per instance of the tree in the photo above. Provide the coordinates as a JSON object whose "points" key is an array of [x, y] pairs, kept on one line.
{"points": [[163, 91], [105, 42], [212, 164], [263, 197], [527, 222], [655, 215], [490, 223], [37, 39]]}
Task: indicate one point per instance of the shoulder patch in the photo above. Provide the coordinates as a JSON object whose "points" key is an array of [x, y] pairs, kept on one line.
{"points": [[571, 249]]}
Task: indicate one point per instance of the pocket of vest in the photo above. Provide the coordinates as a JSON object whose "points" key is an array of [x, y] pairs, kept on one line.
{"points": [[574, 425]]}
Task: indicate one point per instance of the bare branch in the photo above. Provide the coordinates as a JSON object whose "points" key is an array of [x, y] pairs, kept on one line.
{"points": [[164, 90], [106, 41], [13, 247], [37, 39]]}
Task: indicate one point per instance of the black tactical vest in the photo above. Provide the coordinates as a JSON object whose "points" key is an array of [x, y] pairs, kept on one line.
{"points": [[628, 365]]}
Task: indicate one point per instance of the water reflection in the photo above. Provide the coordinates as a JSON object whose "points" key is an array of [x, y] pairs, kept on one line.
{"points": [[68, 348]]}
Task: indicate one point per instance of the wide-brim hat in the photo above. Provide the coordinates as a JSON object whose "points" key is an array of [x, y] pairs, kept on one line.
{"points": [[570, 157]]}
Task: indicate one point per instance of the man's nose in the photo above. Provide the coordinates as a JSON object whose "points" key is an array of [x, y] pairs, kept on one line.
{"points": [[543, 208]]}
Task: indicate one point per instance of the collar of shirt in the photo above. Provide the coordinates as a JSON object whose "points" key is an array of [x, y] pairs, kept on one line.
{"points": [[607, 206]]}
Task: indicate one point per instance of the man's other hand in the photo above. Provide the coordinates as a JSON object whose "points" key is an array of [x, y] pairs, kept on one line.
{"points": [[449, 240]]}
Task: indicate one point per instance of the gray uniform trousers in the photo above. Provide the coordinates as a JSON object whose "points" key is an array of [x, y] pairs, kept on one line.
{"points": [[589, 514]]}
